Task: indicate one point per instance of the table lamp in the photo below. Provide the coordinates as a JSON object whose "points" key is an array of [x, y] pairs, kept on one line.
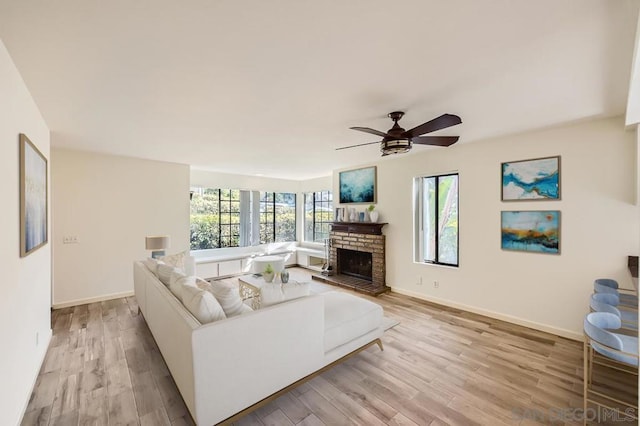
{"points": [[157, 244]]}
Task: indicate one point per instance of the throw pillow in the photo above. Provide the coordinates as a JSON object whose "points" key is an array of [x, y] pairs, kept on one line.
{"points": [[164, 273], [177, 281], [152, 265], [202, 305], [176, 260], [228, 297]]}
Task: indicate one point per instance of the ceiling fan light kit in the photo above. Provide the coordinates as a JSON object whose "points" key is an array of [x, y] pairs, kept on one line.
{"points": [[397, 146], [398, 141]]}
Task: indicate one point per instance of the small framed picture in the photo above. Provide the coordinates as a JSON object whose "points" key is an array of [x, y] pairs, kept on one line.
{"points": [[536, 179]]}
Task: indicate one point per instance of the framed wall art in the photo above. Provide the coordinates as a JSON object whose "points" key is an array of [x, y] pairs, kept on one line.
{"points": [[536, 179], [358, 186], [531, 231], [33, 197]]}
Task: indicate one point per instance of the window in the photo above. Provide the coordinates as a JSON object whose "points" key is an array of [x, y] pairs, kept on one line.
{"points": [[285, 227], [215, 218], [277, 217], [436, 214], [229, 218], [318, 215], [237, 218]]}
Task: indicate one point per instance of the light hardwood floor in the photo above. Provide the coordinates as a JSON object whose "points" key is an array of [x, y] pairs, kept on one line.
{"points": [[440, 366]]}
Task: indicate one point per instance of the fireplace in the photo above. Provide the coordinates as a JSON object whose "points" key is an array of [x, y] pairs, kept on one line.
{"points": [[355, 263], [357, 256]]}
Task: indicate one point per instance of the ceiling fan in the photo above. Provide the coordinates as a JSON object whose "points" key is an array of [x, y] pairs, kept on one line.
{"points": [[397, 140]]}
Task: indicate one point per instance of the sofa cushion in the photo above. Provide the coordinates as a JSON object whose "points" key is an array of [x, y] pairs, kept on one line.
{"points": [[202, 304], [176, 260], [228, 297], [347, 317], [164, 273], [270, 294], [178, 280]]}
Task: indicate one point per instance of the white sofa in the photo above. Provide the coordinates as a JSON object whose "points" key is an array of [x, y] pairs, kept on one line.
{"points": [[227, 366]]}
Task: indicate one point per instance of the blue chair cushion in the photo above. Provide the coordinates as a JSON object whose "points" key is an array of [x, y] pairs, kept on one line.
{"points": [[608, 344], [607, 282], [629, 345]]}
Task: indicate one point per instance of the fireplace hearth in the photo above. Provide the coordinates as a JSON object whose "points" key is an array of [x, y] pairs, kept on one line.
{"points": [[357, 255]]}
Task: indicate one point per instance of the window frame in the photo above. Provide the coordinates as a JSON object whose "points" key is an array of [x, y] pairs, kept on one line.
{"points": [[316, 203], [268, 217], [419, 225]]}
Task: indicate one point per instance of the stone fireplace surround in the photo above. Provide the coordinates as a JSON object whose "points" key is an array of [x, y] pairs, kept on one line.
{"points": [[362, 237]]}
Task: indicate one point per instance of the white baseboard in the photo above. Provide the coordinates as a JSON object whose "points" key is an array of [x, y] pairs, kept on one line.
{"points": [[496, 315], [44, 346], [92, 299]]}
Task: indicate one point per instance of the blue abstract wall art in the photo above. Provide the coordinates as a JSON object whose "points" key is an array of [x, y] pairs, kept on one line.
{"points": [[531, 231], [358, 186], [537, 179]]}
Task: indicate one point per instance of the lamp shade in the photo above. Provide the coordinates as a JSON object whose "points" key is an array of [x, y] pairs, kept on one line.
{"points": [[160, 242]]}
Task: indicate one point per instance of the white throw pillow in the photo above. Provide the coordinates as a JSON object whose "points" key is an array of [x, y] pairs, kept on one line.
{"points": [[202, 304], [229, 298], [152, 265], [164, 273], [177, 281], [176, 260], [270, 294]]}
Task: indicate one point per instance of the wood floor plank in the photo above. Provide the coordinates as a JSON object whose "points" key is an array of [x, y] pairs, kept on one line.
{"points": [[292, 407], [37, 417], [440, 366], [94, 408], [122, 409], [277, 418]]}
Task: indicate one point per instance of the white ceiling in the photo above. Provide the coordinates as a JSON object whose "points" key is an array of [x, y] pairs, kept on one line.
{"points": [[271, 87]]}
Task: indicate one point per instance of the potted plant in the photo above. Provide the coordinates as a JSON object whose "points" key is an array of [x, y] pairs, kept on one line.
{"points": [[268, 273], [373, 215]]}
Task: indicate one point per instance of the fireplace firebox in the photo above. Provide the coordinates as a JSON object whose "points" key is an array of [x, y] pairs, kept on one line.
{"points": [[355, 263]]}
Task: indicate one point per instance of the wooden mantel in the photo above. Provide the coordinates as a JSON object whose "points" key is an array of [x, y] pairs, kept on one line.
{"points": [[370, 228]]}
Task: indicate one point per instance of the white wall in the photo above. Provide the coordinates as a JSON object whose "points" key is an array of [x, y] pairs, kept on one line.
{"points": [[110, 204], [25, 289], [599, 229], [209, 179]]}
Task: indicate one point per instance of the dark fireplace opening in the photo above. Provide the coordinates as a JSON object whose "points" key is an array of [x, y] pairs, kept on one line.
{"points": [[355, 263]]}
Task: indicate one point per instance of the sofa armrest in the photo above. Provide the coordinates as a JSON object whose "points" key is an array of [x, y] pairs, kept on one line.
{"points": [[239, 361]]}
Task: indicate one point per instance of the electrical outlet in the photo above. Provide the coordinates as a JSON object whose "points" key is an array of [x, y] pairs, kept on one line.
{"points": [[419, 282], [37, 338], [436, 284], [70, 239]]}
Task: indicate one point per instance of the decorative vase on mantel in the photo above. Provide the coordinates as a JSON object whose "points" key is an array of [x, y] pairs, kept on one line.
{"points": [[373, 214], [352, 215]]}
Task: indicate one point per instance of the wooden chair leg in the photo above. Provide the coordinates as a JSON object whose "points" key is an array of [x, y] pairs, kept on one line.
{"points": [[379, 343], [585, 378]]}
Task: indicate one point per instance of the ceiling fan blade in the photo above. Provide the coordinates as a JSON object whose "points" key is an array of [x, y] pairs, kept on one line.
{"points": [[353, 146], [436, 140], [442, 122], [372, 131]]}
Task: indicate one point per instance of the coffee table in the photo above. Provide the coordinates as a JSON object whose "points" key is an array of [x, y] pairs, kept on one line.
{"points": [[249, 287], [252, 287]]}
